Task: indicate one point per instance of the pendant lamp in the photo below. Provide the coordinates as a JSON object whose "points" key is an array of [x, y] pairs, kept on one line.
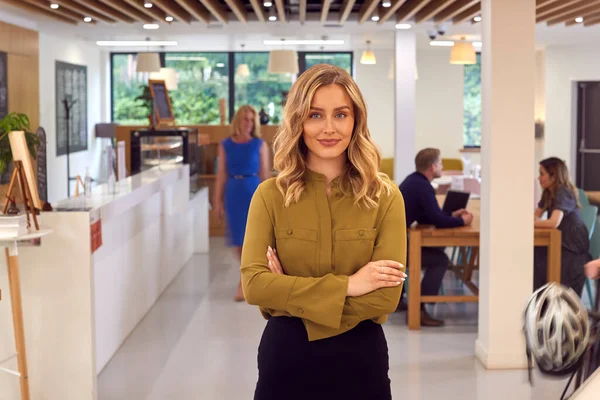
{"points": [[283, 62], [463, 53], [148, 62]]}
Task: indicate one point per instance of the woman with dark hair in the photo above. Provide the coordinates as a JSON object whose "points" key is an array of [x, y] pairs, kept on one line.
{"points": [[560, 200]]}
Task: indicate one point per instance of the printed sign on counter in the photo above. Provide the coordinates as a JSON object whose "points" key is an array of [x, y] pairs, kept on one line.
{"points": [[95, 230]]}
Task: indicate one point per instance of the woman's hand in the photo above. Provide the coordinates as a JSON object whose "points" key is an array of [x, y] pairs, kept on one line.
{"points": [[592, 269], [219, 211], [273, 262], [375, 275]]}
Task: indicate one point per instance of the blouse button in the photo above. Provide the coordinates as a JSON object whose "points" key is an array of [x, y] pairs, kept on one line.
{"points": [[361, 233], [289, 232], [301, 311]]}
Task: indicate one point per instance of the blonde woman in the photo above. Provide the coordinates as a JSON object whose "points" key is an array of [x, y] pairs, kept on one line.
{"points": [[559, 200], [243, 164], [324, 249]]}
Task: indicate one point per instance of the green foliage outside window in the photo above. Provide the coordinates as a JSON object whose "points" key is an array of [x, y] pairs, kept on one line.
{"points": [[472, 104]]}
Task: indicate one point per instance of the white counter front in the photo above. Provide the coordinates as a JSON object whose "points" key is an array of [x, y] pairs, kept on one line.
{"points": [[78, 305]]}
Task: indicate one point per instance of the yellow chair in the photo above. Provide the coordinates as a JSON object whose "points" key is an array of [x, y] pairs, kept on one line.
{"points": [[452, 164], [387, 167]]}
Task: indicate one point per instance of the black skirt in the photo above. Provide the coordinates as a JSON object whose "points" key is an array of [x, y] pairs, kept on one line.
{"points": [[353, 365]]}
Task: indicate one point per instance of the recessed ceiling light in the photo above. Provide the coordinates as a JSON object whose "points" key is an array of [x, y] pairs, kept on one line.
{"points": [[386, 3], [148, 4], [220, 65], [87, 19], [169, 18], [151, 26], [403, 26], [442, 43], [132, 43], [375, 18], [272, 18], [303, 42], [268, 3], [477, 19], [579, 20], [54, 6]]}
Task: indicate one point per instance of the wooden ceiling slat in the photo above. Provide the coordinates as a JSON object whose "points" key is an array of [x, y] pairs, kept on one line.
{"points": [[131, 12], [468, 14], [346, 10], [85, 11], [105, 10], [591, 22], [280, 10], [257, 6], [154, 12], [595, 6], [388, 12], [48, 12], [409, 9], [367, 10], [580, 6], [588, 17], [302, 16], [191, 7], [216, 10], [65, 12], [543, 3], [325, 5], [431, 10], [458, 7], [238, 9], [556, 7]]}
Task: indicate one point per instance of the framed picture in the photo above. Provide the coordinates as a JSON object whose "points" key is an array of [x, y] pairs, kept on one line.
{"points": [[163, 109], [71, 86], [3, 85]]}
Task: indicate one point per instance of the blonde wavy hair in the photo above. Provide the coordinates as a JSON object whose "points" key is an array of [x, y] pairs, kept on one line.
{"points": [[361, 178], [237, 120]]}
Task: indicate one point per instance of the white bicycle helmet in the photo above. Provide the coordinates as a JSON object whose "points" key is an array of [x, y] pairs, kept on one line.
{"points": [[557, 329]]}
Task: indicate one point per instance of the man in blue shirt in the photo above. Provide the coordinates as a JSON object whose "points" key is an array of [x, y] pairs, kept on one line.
{"points": [[422, 207]]}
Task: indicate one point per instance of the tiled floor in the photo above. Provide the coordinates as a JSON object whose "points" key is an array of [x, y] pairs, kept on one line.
{"points": [[196, 343]]}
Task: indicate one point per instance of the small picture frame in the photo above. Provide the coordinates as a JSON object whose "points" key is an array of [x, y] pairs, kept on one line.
{"points": [[163, 110]]}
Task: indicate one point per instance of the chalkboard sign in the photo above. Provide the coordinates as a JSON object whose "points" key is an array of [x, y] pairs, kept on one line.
{"points": [[71, 85], [3, 85], [162, 101], [41, 166]]}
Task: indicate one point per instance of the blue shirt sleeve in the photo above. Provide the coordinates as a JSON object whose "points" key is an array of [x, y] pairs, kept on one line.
{"points": [[433, 212]]}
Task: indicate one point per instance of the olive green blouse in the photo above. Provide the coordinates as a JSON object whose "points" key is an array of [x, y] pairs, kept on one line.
{"points": [[321, 240]]}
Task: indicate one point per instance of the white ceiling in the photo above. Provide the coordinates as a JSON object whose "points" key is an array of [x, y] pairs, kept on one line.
{"points": [[199, 36]]}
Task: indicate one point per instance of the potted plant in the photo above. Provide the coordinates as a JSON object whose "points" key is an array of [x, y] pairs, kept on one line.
{"points": [[14, 122], [145, 101]]}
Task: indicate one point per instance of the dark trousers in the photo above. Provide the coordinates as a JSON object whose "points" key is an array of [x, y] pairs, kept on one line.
{"points": [[350, 366], [435, 263]]}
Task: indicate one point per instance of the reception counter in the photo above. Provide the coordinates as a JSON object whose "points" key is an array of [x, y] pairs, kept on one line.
{"points": [[89, 283]]}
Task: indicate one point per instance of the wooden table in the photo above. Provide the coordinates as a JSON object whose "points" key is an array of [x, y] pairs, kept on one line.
{"points": [[467, 236]]}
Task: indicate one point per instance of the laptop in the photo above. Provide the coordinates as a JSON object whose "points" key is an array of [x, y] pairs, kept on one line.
{"points": [[455, 200]]}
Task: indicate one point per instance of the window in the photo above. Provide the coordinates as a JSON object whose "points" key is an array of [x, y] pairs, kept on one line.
{"points": [[203, 81], [206, 77], [472, 104], [259, 88], [126, 86]]}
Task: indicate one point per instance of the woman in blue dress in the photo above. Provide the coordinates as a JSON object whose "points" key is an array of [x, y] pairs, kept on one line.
{"points": [[243, 164]]}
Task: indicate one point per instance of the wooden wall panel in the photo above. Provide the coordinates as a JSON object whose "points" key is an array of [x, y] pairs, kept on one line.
{"points": [[24, 88], [17, 40]]}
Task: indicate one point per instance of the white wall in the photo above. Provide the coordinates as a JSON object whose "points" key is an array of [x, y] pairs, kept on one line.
{"points": [[378, 91], [564, 66], [73, 51]]}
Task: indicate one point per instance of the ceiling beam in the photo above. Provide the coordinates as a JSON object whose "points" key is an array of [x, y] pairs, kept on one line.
{"points": [[591, 22], [105, 10], [65, 12], [580, 6], [409, 9], [587, 17], [326, 4], [543, 3], [85, 11], [154, 12], [366, 10], [594, 7], [388, 12], [238, 8], [468, 14], [280, 10], [302, 11], [216, 10], [346, 10], [48, 12], [191, 7], [431, 10], [131, 12], [455, 9], [260, 14], [551, 9]]}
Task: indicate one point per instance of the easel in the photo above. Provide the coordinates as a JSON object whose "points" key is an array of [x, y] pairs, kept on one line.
{"points": [[31, 202]]}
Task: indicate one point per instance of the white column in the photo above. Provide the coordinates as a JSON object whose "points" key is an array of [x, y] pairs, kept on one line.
{"points": [[506, 272], [405, 62]]}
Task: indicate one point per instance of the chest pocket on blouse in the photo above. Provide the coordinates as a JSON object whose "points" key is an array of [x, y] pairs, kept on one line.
{"points": [[352, 249], [297, 251]]}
